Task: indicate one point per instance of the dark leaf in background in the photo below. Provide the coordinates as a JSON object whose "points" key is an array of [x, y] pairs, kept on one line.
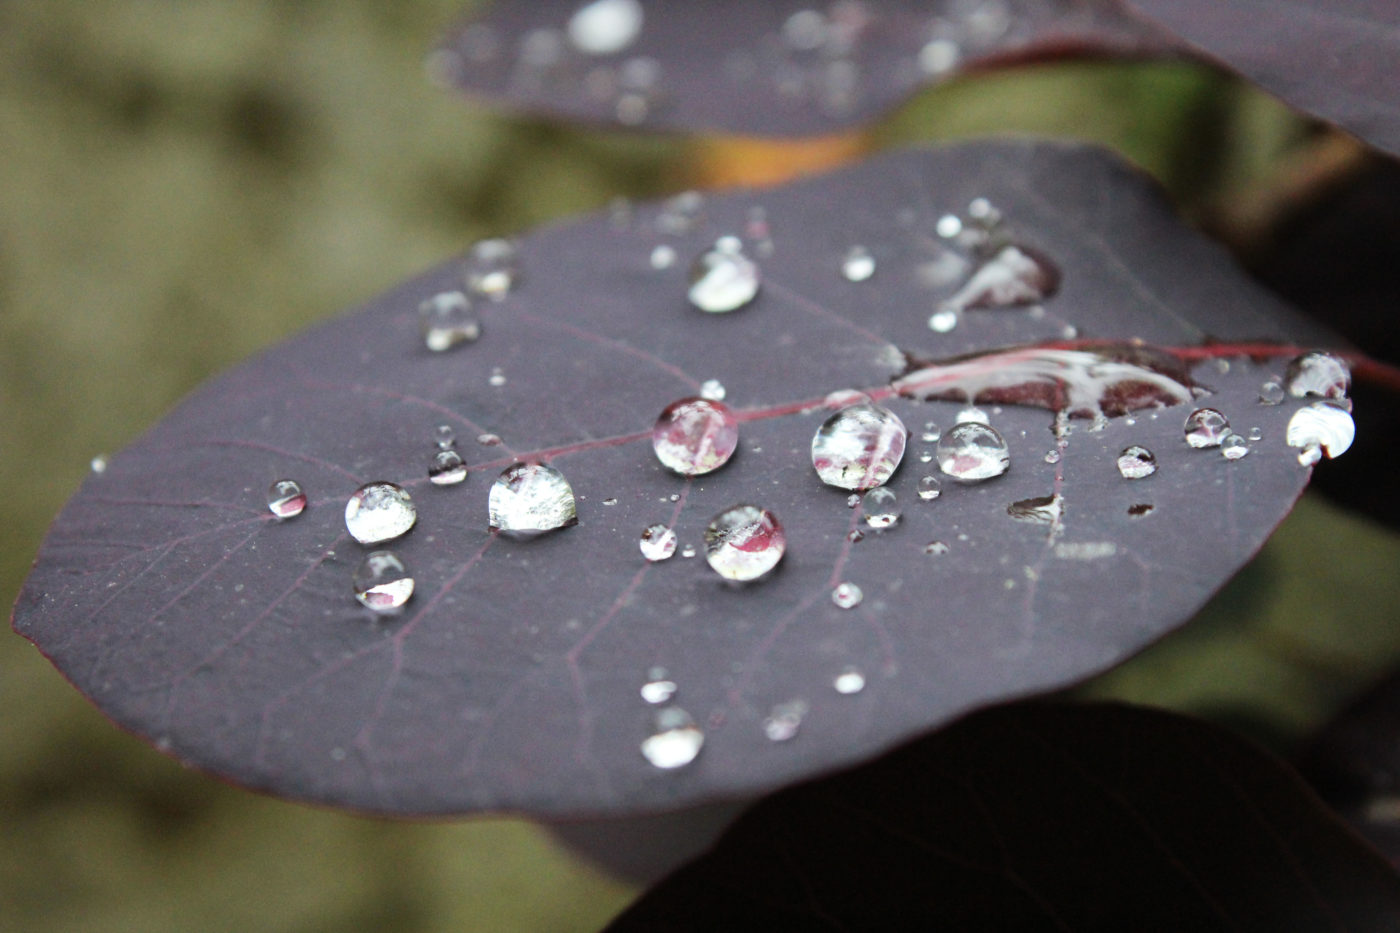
{"points": [[169, 594], [1335, 59], [1032, 817], [754, 67]]}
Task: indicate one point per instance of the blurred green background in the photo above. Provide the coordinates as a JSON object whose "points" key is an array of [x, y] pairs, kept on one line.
{"points": [[185, 183]]}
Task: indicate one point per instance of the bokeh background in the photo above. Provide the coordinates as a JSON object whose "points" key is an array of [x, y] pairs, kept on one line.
{"points": [[184, 182]]}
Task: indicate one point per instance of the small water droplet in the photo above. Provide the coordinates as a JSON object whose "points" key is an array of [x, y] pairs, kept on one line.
{"points": [[98, 464], [713, 390], [605, 27], [658, 690], [445, 436], [935, 548], [949, 226], [858, 264], [853, 500], [1256, 434], [382, 582], [1317, 374], [723, 279], [846, 595], [658, 542], [1233, 447], [939, 56], [529, 498], [981, 209], [859, 447], [849, 681], [285, 498], [784, 720], [489, 440], [676, 741], [491, 269], [663, 256], [744, 542], [931, 433], [930, 488], [379, 511], [1141, 509], [1206, 427], [1137, 462], [1037, 510], [447, 469], [943, 321], [1320, 428], [610, 500], [694, 436], [498, 377], [1052, 456], [880, 507], [446, 320], [855, 536], [1271, 393], [971, 452], [688, 551]]}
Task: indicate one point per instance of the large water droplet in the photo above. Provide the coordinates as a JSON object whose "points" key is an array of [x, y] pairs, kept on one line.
{"points": [[849, 681], [1206, 427], [846, 595], [695, 436], [859, 447], [382, 582], [528, 498], [379, 511], [880, 507], [784, 720], [1137, 462], [1317, 374], [448, 468], [658, 542], [447, 319], [285, 498], [971, 452], [858, 264], [676, 741], [1234, 447], [1012, 278], [605, 27], [1318, 429], [744, 543], [491, 269], [930, 488], [723, 279]]}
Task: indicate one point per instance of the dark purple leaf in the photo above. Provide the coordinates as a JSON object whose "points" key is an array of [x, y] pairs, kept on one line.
{"points": [[169, 595], [764, 68], [1332, 58], [1040, 818]]}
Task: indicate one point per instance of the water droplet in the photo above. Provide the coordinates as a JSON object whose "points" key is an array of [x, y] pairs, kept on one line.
{"points": [[713, 390], [1320, 428], [285, 498], [489, 440], [498, 377], [379, 511], [849, 681], [1206, 427], [1233, 447], [881, 507], [676, 741], [937, 57], [446, 320], [491, 269], [855, 536], [949, 226], [658, 690], [445, 436], [935, 548], [982, 209], [98, 464], [663, 257], [382, 582], [1141, 509], [447, 469], [658, 542], [1137, 462], [846, 595], [528, 498], [744, 543], [931, 433], [859, 447], [695, 436], [784, 720], [805, 31], [930, 488], [971, 452], [858, 265], [1271, 393], [1256, 434], [688, 551], [1052, 456], [1317, 374], [723, 279], [943, 321], [605, 27], [853, 500], [1037, 510]]}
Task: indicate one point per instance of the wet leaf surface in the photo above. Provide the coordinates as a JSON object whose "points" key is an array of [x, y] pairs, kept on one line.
{"points": [[765, 69], [511, 680], [1033, 817], [1332, 58]]}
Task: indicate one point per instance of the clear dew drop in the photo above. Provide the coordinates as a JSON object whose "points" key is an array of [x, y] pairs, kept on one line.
{"points": [[723, 279], [930, 488], [531, 498], [688, 551], [1318, 375], [659, 689], [943, 321], [784, 720], [859, 447], [491, 269], [663, 256], [445, 436], [1256, 434], [858, 264], [1206, 427], [658, 542], [971, 452], [489, 440], [694, 436], [1322, 428], [1014, 277], [1137, 462], [1052, 456], [936, 548], [605, 27], [855, 536], [849, 681], [744, 543], [676, 741], [98, 464], [1233, 447], [949, 226], [497, 378], [1272, 393], [447, 468], [712, 390], [285, 498], [379, 511], [447, 320], [610, 500], [937, 57], [382, 582], [931, 433], [846, 595], [853, 500], [880, 507]]}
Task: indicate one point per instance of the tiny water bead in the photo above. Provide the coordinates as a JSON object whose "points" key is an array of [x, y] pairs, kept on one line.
{"points": [[694, 436], [285, 498], [784, 720], [930, 488], [489, 440], [1317, 374], [530, 498], [859, 447], [846, 595], [1271, 393], [382, 582], [723, 279], [880, 507], [491, 269], [931, 433], [936, 548], [943, 321], [605, 27], [658, 542], [1233, 447], [1318, 429], [446, 320], [744, 542], [849, 681], [445, 436], [1256, 434], [663, 256], [676, 741], [1206, 427], [858, 265], [658, 689], [1137, 462], [447, 468], [971, 452], [98, 464], [497, 378], [379, 511], [713, 390]]}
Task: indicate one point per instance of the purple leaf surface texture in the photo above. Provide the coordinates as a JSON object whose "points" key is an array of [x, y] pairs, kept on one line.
{"points": [[1335, 59], [1031, 817], [511, 680], [755, 67]]}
